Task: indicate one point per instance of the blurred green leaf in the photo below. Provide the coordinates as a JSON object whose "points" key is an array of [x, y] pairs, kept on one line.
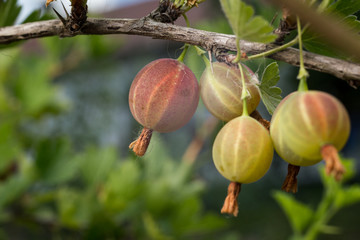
{"points": [[97, 164], [347, 196], [32, 86], [73, 208], [9, 146], [54, 161], [244, 25], [190, 212], [152, 229], [270, 94], [13, 188], [9, 11], [330, 182], [299, 214], [122, 186]]}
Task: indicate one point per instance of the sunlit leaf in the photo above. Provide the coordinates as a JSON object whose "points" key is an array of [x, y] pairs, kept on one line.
{"points": [[244, 25], [270, 94]]}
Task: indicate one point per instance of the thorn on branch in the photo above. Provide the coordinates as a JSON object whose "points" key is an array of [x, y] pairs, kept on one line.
{"points": [[74, 21], [166, 12], [287, 24]]}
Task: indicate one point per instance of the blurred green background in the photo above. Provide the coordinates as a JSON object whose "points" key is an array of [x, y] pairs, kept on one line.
{"points": [[66, 171]]}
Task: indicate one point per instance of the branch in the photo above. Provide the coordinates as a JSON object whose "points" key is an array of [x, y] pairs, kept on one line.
{"points": [[211, 41]]}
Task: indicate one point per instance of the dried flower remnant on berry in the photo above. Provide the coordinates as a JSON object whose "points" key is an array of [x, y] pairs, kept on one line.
{"points": [[333, 165], [140, 145], [290, 183], [230, 205]]}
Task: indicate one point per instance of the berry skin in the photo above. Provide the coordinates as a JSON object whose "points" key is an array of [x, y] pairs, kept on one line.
{"points": [[164, 95], [243, 151], [220, 90], [304, 123]]}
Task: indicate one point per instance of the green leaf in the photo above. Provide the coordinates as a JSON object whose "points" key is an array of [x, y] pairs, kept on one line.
{"points": [[75, 208], [244, 25], [270, 94], [117, 196], [54, 161], [350, 172], [299, 214], [9, 145], [98, 163], [343, 9], [153, 229], [315, 43], [347, 196], [9, 11], [13, 188]]}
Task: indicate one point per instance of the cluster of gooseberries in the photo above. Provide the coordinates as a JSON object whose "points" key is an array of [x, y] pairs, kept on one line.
{"points": [[306, 127]]}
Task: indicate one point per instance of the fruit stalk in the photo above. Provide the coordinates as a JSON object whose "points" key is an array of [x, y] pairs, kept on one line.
{"points": [[140, 145], [290, 183], [230, 205], [303, 74]]}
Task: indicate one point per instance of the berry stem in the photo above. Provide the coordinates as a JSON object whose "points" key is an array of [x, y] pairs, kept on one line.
{"points": [[303, 74], [333, 163], [230, 205], [201, 53], [140, 145], [244, 92], [186, 20], [183, 54], [290, 183], [238, 55], [274, 50]]}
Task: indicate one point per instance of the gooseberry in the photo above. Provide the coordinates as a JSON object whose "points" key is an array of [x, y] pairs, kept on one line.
{"points": [[242, 153], [163, 97], [309, 126], [221, 87]]}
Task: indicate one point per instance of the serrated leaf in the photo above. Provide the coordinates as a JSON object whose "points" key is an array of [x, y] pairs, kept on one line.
{"points": [[270, 94], [299, 214], [343, 8], [314, 43], [244, 25]]}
